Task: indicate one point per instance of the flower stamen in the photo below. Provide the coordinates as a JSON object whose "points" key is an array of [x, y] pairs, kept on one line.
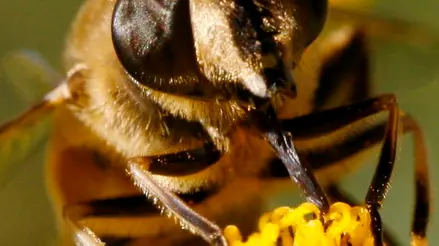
{"points": [[304, 225]]}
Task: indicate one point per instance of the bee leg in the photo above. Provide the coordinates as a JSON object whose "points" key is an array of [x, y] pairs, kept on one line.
{"points": [[140, 171], [133, 219], [51, 100], [381, 181], [127, 220], [83, 236], [344, 78], [19, 136], [336, 193], [310, 126], [422, 183]]}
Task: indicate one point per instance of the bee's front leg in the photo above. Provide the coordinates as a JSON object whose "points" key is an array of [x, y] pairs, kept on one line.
{"points": [[141, 169]]}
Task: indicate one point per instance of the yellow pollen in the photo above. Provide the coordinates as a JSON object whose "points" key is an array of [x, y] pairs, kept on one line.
{"points": [[304, 225]]}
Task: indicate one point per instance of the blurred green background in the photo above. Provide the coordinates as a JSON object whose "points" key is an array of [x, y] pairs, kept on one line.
{"points": [[410, 71]]}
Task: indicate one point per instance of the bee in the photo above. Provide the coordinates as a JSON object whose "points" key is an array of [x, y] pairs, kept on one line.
{"points": [[192, 109]]}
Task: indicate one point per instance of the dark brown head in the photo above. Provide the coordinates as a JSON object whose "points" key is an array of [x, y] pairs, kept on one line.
{"points": [[189, 46]]}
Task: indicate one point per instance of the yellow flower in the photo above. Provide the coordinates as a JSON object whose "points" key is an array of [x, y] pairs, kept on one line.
{"points": [[306, 225]]}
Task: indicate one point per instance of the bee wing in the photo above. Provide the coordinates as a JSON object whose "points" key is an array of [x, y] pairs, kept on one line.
{"points": [[398, 50], [30, 76], [383, 27]]}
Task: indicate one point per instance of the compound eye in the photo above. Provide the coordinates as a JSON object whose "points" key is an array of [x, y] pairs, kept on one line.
{"points": [[310, 16], [318, 14], [145, 35]]}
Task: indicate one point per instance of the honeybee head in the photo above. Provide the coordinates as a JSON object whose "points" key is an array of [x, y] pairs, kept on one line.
{"points": [[247, 44]]}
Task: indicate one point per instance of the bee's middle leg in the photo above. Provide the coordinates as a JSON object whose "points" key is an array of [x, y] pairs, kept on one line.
{"points": [[337, 125]]}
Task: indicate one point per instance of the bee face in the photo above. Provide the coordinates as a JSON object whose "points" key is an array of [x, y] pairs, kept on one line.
{"points": [[251, 45]]}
